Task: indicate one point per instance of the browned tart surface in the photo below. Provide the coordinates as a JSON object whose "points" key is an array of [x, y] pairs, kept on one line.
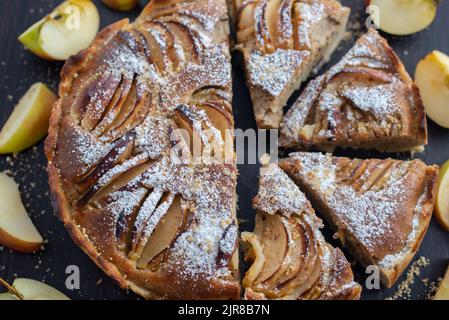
{"points": [[367, 100], [164, 229], [290, 258], [380, 208], [282, 41]]}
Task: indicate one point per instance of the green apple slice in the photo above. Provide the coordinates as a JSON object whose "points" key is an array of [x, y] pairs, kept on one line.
{"points": [[69, 28], [30, 39], [35, 290], [402, 17], [28, 122], [432, 79], [442, 202], [17, 231], [7, 296], [121, 5]]}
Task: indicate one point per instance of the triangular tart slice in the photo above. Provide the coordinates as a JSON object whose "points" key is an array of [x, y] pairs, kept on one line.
{"points": [[289, 257], [367, 100], [282, 41], [380, 209]]}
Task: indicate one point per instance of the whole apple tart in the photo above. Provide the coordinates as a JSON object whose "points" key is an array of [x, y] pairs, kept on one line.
{"points": [[165, 229]]}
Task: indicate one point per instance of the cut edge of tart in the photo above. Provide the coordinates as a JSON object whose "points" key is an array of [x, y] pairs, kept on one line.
{"points": [[380, 209]]}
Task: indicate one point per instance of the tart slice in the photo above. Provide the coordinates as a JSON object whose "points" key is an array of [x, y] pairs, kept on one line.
{"points": [[380, 208], [367, 101], [282, 41], [119, 160], [290, 258]]}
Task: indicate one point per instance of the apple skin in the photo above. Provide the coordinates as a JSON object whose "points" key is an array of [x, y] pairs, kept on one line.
{"points": [[32, 38], [121, 5], [16, 244], [34, 120]]}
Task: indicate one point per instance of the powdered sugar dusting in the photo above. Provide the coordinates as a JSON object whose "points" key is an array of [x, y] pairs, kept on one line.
{"points": [[367, 52], [273, 71], [278, 193], [199, 246], [390, 261], [328, 103], [88, 150], [123, 202], [227, 243], [379, 100], [368, 216], [157, 215], [147, 210]]}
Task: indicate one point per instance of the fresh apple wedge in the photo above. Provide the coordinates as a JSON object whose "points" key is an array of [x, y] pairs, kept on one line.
{"points": [[28, 122], [28, 289], [7, 296], [35, 290], [402, 17], [432, 79], [69, 28], [121, 5], [442, 202], [443, 289], [16, 229]]}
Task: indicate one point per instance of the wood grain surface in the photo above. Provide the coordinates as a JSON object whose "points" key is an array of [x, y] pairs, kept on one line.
{"points": [[19, 69]]}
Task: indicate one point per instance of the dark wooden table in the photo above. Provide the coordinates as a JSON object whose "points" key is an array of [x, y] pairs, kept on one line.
{"points": [[19, 69]]}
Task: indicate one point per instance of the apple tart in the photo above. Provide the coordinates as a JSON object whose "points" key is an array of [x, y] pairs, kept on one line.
{"points": [[165, 229], [367, 101], [289, 257], [282, 41], [380, 208]]}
